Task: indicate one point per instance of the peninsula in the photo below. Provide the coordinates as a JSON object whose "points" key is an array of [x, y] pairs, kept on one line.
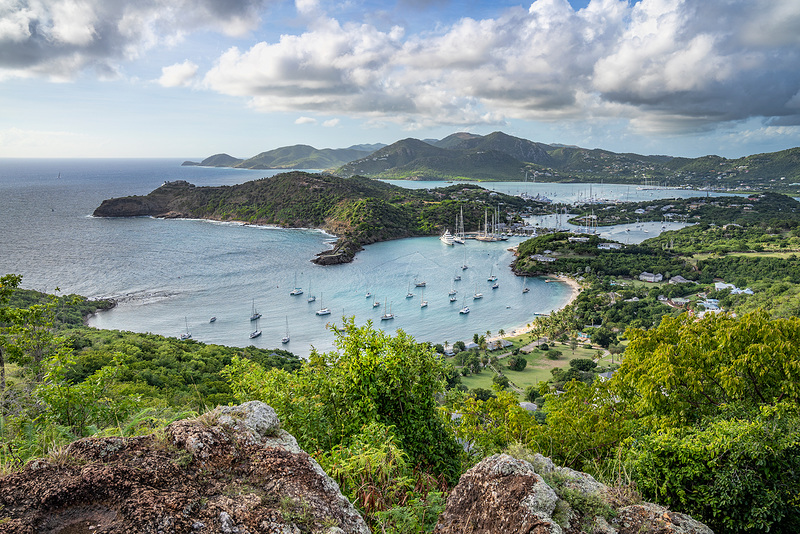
{"points": [[358, 210]]}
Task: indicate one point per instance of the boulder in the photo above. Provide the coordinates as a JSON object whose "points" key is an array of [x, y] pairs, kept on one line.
{"points": [[232, 470], [502, 494]]}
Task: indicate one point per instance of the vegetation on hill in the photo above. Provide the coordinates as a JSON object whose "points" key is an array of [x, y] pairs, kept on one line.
{"points": [[359, 210]]}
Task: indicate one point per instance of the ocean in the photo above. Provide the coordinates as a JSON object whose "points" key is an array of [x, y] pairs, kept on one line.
{"points": [[168, 276]]}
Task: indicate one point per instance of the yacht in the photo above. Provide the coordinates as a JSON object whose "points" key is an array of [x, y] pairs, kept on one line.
{"points": [[386, 316], [477, 295], [464, 310], [285, 339], [495, 285], [188, 334], [447, 238], [323, 310], [213, 319], [297, 290], [254, 315], [255, 333], [457, 278], [422, 302], [409, 294]]}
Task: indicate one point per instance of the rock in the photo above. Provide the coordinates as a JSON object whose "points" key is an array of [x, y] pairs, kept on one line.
{"points": [[650, 518], [502, 494], [232, 470]]}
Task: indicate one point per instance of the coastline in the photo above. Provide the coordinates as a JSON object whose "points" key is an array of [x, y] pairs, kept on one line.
{"points": [[575, 290]]}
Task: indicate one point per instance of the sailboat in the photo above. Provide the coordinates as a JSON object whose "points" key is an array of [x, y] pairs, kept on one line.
{"points": [[322, 310], [422, 302], [285, 339], [311, 297], [255, 333], [464, 310], [297, 289], [419, 284], [254, 315], [188, 334], [375, 303], [409, 294], [386, 316], [477, 295], [452, 290], [492, 276], [525, 287], [464, 267], [459, 237]]}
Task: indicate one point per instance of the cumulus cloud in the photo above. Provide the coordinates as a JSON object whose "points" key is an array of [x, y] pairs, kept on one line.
{"points": [[179, 74], [665, 66], [662, 66], [60, 38], [305, 120], [331, 123]]}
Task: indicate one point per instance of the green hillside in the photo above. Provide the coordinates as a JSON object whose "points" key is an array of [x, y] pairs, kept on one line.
{"points": [[301, 157], [359, 210]]}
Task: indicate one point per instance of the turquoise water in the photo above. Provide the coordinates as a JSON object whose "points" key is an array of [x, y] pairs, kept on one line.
{"points": [[166, 273]]}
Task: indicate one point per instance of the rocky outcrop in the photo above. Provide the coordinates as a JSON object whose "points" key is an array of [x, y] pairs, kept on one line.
{"points": [[232, 470], [504, 494]]}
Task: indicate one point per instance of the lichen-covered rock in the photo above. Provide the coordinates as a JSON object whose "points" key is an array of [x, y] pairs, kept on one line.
{"points": [[231, 470], [500, 494]]}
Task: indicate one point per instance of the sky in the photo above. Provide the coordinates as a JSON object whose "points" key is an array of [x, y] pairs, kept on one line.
{"points": [[192, 78]]}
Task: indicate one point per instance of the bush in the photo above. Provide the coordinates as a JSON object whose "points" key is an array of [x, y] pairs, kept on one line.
{"points": [[500, 381], [582, 364], [739, 475], [517, 363], [482, 394], [553, 354], [544, 346]]}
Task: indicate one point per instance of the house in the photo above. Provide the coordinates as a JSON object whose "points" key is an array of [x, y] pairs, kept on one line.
{"points": [[578, 239], [650, 277], [678, 279], [719, 286], [609, 246], [542, 258]]}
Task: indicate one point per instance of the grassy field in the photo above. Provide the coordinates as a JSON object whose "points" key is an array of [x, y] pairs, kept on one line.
{"points": [[537, 370]]}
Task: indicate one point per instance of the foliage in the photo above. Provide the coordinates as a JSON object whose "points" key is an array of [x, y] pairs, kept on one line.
{"points": [[486, 427], [740, 473], [419, 515], [584, 425], [684, 370], [582, 364], [372, 377], [517, 363]]}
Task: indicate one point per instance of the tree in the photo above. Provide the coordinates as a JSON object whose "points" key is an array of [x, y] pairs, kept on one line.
{"points": [[573, 344], [500, 381], [582, 364], [517, 363], [460, 345], [372, 376], [684, 370], [603, 336]]}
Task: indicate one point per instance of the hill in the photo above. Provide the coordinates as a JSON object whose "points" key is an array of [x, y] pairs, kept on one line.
{"points": [[217, 160], [359, 210], [502, 157], [302, 157]]}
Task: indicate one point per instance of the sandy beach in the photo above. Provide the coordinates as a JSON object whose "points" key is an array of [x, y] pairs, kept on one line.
{"points": [[525, 328]]}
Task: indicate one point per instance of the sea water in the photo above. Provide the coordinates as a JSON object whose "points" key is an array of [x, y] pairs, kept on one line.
{"points": [[168, 276]]}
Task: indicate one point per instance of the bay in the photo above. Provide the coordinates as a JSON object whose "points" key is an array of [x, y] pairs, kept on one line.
{"points": [[166, 274]]}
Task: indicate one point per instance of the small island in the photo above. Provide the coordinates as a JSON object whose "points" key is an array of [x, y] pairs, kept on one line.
{"points": [[358, 210]]}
